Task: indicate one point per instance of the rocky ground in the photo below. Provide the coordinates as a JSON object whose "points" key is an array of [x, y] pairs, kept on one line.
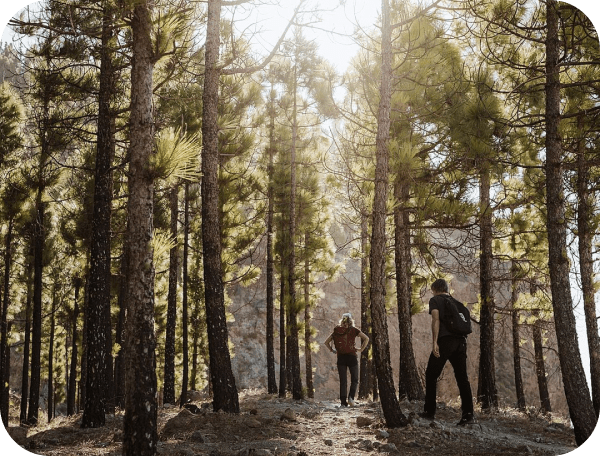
{"points": [[268, 425]]}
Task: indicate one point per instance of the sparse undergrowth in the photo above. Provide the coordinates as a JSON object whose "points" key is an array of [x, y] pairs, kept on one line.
{"points": [[268, 425]]}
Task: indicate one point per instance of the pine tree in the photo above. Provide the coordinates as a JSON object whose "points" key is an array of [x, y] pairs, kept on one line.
{"points": [[391, 408], [140, 422], [576, 389]]}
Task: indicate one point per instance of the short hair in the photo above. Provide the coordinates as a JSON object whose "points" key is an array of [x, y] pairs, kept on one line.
{"points": [[347, 317], [440, 286]]}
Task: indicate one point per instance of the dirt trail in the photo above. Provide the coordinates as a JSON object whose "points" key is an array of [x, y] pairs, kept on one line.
{"points": [[268, 425]]}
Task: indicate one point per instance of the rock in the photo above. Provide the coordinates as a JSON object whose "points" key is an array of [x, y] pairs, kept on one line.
{"points": [[168, 406], [388, 448], [253, 423], [180, 423], [192, 408], [328, 442], [362, 421], [383, 434], [366, 445], [197, 437], [18, 434], [288, 415]]}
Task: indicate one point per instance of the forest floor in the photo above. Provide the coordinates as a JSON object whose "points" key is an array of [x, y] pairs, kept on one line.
{"points": [[268, 425]]}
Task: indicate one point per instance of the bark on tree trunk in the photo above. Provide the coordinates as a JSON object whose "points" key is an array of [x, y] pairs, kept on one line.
{"points": [[577, 393], [516, 338], [122, 304], [73, 375], [36, 331], [6, 380], [307, 324], [4, 366], [51, 359], [540, 367], [487, 394], [283, 380], [98, 327], [293, 345], [409, 384], [184, 303], [366, 366], [25, 370], [225, 395], [271, 380], [585, 214], [169, 374], [139, 424], [389, 401]]}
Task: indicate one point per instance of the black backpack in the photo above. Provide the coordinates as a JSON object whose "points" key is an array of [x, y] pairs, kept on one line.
{"points": [[457, 318]]}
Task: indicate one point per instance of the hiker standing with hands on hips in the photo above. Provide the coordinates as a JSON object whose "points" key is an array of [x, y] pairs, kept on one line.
{"points": [[450, 325], [343, 337]]}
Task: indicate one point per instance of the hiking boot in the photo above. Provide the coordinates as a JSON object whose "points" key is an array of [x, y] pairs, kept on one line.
{"points": [[466, 419], [427, 416], [351, 402]]}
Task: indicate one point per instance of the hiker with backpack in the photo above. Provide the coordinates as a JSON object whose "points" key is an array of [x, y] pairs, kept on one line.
{"points": [[450, 325], [343, 337]]}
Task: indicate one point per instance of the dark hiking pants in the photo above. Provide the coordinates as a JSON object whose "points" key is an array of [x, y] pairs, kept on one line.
{"points": [[343, 371], [453, 349]]}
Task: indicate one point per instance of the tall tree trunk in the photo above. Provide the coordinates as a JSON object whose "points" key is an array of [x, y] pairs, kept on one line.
{"points": [[73, 374], [25, 370], [98, 327], [540, 366], [271, 380], [487, 394], [585, 214], [365, 385], [119, 336], [139, 424], [4, 366], [4, 400], [283, 380], [36, 332], [389, 401], [51, 358], [184, 303], [169, 377], [294, 350], [225, 395], [409, 384], [577, 392], [307, 324], [84, 348], [516, 338]]}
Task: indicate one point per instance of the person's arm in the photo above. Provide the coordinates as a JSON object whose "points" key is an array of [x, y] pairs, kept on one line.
{"points": [[435, 330], [328, 343], [364, 341]]}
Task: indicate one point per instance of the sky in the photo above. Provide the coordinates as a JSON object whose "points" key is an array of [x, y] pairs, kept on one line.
{"points": [[269, 21]]}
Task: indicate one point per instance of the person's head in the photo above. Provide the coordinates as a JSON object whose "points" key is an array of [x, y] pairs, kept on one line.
{"points": [[439, 286], [347, 320]]}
